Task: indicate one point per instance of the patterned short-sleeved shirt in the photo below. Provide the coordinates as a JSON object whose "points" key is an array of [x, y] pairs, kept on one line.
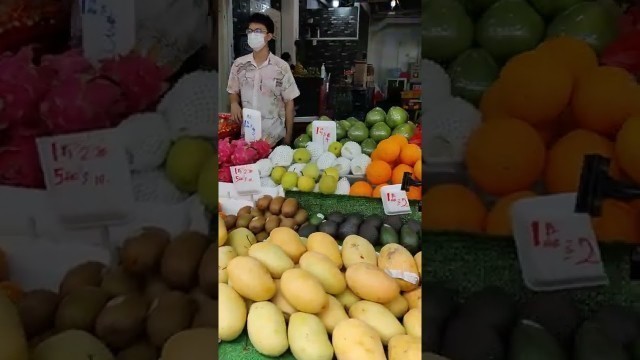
{"points": [[265, 88]]}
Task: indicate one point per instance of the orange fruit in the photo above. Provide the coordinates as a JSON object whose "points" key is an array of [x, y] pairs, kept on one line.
{"points": [[491, 104], [548, 132], [618, 223], [376, 190], [442, 207], [410, 154], [499, 217], [417, 170], [565, 158], [388, 150], [504, 156], [575, 55], [12, 290], [604, 98], [535, 88], [627, 149], [398, 173], [374, 156], [361, 188], [378, 172], [414, 193], [399, 140]]}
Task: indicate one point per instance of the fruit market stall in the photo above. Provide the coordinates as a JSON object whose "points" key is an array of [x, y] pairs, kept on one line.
{"points": [[509, 120]]}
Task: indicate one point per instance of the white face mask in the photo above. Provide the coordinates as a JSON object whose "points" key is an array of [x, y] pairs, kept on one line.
{"points": [[256, 41]]}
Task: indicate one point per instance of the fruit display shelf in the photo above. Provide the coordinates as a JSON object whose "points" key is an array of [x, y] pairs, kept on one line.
{"points": [[470, 263]]}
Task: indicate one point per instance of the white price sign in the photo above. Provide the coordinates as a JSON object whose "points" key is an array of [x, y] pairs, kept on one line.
{"points": [[557, 248], [251, 125], [108, 28], [88, 177], [245, 179], [394, 200], [324, 133]]}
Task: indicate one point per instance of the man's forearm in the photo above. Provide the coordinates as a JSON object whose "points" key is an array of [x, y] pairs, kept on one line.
{"points": [[289, 115]]}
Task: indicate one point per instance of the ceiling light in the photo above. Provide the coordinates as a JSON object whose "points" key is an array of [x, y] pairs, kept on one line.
{"points": [[393, 4], [335, 3]]}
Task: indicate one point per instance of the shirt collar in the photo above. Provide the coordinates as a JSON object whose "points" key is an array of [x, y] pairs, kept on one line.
{"points": [[253, 61]]}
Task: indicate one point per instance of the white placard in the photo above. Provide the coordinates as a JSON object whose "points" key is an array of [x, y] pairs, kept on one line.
{"points": [[557, 248], [251, 125], [108, 28], [245, 179], [394, 200], [88, 178], [324, 133]]}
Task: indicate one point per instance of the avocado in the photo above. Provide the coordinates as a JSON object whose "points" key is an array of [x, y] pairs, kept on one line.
{"points": [[593, 343], [409, 239], [329, 227], [388, 235], [469, 339], [620, 323], [432, 333], [316, 219], [415, 226], [336, 217], [374, 220], [369, 232], [440, 303], [554, 311], [491, 306], [354, 218], [345, 229], [531, 341], [395, 221], [307, 229]]}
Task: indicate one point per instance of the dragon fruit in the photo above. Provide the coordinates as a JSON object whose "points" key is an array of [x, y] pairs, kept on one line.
{"points": [[21, 90], [244, 156], [141, 79], [69, 63], [77, 103], [224, 174], [262, 148], [20, 163], [225, 150]]}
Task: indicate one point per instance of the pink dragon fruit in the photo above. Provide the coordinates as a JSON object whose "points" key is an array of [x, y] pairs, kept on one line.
{"points": [[141, 80], [244, 156], [21, 90], [69, 63], [224, 174], [240, 143], [262, 148], [76, 103], [225, 150], [20, 163]]}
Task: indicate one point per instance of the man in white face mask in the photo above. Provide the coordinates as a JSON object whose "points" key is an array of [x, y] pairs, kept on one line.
{"points": [[261, 81]]}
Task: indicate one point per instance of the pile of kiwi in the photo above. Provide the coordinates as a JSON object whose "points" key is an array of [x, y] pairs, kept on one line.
{"points": [[268, 214], [160, 287]]}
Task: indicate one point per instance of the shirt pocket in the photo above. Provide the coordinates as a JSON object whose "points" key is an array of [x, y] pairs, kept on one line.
{"points": [[272, 85]]}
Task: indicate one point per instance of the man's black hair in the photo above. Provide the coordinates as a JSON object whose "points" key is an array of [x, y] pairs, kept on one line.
{"points": [[286, 56], [262, 19]]}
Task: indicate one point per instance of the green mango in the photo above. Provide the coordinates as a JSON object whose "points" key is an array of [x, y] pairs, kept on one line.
{"points": [[396, 117], [447, 30], [405, 130], [380, 131], [368, 145], [353, 120], [591, 21], [341, 132], [471, 74], [358, 132], [375, 116], [301, 141], [345, 124]]}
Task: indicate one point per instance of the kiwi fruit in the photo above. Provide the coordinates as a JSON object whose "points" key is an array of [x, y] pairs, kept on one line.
{"points": [[81, 275], [263, 203], [155, 287], [169, 314], [139, 351], [80, 308], [37, 310], [116, 282], [289, 207], [257, 224], [245, 210], [179, 266], [208, 266], [122, 321], [262, 236], [272, 222], [243, 220], [141, 254], [207, 312], [255, 212], [289, 222], [230, 221], [276, 205], [301, 216]]}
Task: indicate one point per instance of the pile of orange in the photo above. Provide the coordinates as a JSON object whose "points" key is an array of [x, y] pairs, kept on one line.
{"points": [[548, 109], [392, 158]]}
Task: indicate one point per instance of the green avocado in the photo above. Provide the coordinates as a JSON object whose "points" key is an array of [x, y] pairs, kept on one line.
{"points": [[358, 132], [592, 343], [405, 130], [380, 131], [388, 235], [530, 341], [351, 120], [345, 124], [341, 132], [369, 232], [301, 141], [367, 146], [316, 219], [329, 227], [374, 116], [409, 239], [307, 229]]}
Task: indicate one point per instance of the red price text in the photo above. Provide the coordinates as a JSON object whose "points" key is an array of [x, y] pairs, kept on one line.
{"points": [[579, 251], [242, 174], [325, 135], [77, 151], [400, 201], [62, 176]]}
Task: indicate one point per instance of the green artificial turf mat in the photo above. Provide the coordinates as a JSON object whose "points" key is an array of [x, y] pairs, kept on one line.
{"points": [[241, 349]]}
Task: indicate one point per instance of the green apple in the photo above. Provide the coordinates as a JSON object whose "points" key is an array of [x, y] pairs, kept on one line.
{"points": [[311, 170], [301, 156], [335, 148], [289, 180], [306, 184], [328, 185], [277, 173], [333, 172]]}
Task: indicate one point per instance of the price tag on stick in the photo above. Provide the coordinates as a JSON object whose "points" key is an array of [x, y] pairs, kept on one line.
{"points": [[108, 28], [251, 125], [557, 248], [324, 133], [246, 179], [87, 177], [394, 200]]}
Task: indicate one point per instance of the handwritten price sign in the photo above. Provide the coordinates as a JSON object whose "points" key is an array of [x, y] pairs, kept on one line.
{"points": [[108, 28], [394, 200], [324, 133], [557, 248], [245, 179], [87, 177], [251, 125]]}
